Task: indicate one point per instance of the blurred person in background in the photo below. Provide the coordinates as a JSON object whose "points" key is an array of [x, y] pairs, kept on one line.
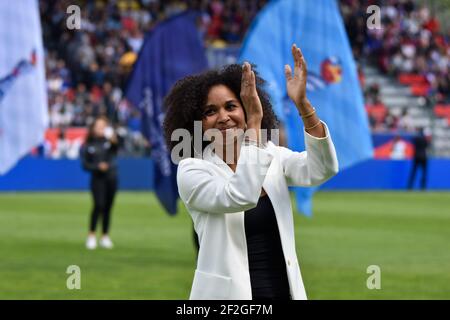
{"points": [[421, 143], [98, 156], [62, 146]]}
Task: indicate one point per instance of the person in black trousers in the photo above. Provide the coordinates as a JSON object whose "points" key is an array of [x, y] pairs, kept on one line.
{"points": [[98, 157], [420, 159]]}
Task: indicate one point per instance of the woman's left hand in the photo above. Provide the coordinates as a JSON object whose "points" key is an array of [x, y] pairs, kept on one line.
{"points": [[296, 85]]}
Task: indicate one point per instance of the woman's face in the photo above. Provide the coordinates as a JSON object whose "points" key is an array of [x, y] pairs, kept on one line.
{"points": [[99, 128], [223, 111]]}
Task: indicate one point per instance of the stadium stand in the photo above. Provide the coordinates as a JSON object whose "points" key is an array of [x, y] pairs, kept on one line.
{"points": [[408, 59], [403, 66]]}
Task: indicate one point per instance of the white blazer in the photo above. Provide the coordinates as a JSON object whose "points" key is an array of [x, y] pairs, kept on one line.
{"points": [[216, 198]]}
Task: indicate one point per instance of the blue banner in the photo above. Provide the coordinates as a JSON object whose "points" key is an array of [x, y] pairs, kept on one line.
{"points": [[171, 51], [332, 87]]}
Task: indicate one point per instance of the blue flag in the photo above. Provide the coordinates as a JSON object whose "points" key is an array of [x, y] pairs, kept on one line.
{"points": [[172, 50], [332, 84]]}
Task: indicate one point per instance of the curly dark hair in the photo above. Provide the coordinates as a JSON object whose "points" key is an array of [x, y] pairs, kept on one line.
{"points": [[186, 100]]}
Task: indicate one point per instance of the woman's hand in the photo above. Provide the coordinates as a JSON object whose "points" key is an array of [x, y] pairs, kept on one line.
{"points": [[249, 96], [296, 89], [296, 85], [114, 139], [103, 166]]}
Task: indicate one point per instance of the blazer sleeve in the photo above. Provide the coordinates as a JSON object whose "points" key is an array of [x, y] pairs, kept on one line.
{"points": [[204, 191], [311, 167]]}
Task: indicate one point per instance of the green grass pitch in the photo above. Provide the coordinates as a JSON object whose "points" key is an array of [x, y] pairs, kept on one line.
{"points": [[406, 234]]}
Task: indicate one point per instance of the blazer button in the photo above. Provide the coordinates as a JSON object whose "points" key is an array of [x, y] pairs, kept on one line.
{"points": [[289, 262]]}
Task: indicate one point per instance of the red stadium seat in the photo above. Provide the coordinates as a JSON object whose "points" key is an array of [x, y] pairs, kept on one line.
{"points": [[420, 90], [411, 78], [378, 111], [442, 110]]}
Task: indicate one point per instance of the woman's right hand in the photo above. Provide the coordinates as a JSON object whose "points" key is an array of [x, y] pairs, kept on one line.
{"points": [[249, 96]]}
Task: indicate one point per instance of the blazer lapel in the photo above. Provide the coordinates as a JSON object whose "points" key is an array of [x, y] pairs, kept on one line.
{"points": [[278, 192]]}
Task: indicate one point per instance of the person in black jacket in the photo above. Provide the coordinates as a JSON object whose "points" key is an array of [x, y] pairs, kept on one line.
{"points": [[99, 158], [420, 159]]}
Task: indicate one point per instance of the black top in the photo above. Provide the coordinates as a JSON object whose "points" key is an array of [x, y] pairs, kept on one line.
{"points": [[420, 146], [96, 151], [265, 255]]}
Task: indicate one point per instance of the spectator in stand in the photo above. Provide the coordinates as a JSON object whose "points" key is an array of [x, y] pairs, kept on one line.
{"points": [[391, 122], [62, 146], [61, 112], [405, 121]]}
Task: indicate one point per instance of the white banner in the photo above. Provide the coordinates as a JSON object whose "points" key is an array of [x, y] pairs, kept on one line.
{"points": [[23, 96]]}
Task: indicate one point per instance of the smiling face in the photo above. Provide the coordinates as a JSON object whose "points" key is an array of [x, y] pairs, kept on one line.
{"points": [[99, 127], [223, 111]]}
